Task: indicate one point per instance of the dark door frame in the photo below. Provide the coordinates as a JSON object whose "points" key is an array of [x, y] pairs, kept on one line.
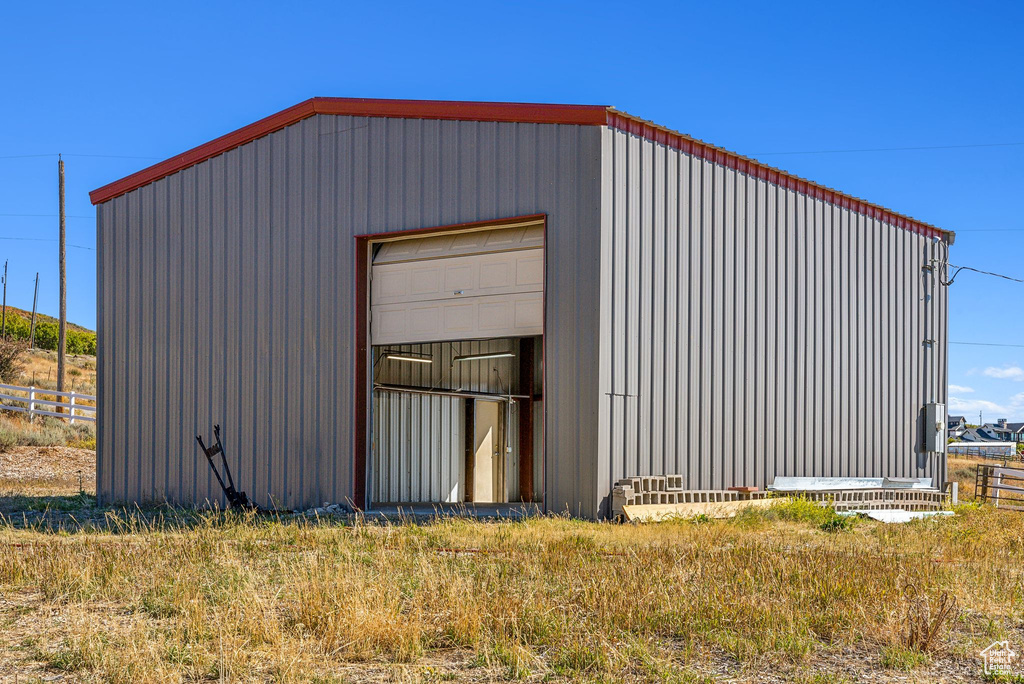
{"points": [[363, 388]]}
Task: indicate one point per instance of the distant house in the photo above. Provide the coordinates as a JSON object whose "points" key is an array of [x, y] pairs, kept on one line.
{"points": [[955, 426], [1006, 431], [985, 433]]}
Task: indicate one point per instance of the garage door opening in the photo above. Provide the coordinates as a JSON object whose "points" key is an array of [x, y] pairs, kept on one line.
{"points": [[455, 326]]}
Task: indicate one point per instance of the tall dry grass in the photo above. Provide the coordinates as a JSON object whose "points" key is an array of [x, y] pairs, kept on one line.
{"points": [[198, 596], [17, 430]]}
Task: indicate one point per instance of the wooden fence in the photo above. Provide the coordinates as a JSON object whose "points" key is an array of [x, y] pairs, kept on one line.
{"points": [[72, 406]]}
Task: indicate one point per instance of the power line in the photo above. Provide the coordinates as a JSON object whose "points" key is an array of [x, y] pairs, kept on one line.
{"points": [[977, 270], [93, 156], [893, 149], [991, 230], [26, 239], [989, 344], [81, 216]]}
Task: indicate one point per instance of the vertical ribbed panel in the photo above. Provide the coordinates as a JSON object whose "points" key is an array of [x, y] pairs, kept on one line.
{"points": [[227, 295], [749, 331], [418, 452]]}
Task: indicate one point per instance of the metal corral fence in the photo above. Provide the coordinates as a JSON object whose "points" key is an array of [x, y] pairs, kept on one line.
{"points": [[74, 406], [1001, 486], [983, 449]]}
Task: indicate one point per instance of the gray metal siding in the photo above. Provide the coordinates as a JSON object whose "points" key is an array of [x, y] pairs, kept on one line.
{"points": [[750, 331], [226, 295]]}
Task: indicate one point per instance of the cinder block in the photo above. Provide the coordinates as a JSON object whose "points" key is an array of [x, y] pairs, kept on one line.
{"points": [[634, 482], [674, 483]]}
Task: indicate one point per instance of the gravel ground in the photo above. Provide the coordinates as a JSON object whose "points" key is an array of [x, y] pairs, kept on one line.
{"points": [[36, 472]]}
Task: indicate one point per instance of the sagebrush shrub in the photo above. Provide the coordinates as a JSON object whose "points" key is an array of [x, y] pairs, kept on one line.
{"points": [[12, 360]]}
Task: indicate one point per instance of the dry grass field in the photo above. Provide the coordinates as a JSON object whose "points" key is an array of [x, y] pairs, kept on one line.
{"points": [[41, 371], [784, 594]]}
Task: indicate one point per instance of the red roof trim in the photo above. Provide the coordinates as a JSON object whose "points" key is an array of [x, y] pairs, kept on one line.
{"points": [[645, 129], [583, 115], [586, 115]]}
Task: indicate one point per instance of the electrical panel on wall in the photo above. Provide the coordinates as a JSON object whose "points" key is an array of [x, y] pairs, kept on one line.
{"points": [[934, 427]]}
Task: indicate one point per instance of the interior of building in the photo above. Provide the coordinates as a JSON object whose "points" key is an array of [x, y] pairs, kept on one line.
{"points": [[456, 331]]}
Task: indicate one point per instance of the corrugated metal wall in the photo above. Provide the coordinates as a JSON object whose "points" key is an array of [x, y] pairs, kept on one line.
{"points": [[749, 331], [418, 452], [226, 294]]}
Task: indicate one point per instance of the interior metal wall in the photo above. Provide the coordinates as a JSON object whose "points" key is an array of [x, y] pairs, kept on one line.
{"points": [[487, 376], [749, 331], [418, 448], [418, 443], [226, 295]]}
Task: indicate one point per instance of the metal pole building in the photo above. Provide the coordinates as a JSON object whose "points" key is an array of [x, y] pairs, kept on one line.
{"points": [[315, 282]]}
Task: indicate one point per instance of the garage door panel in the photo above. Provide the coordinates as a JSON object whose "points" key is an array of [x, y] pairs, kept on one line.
{"points": [[391, 285], [459, 286], [530, 270], [514, 315], [461, 244], [494, 315], [529, 313], [460, 277], [423, 320], [459, 317], [496, 274], [473, 276], [424, 282]]}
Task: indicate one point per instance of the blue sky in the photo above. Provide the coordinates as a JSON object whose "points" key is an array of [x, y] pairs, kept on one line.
{"points": [[138, 82]]}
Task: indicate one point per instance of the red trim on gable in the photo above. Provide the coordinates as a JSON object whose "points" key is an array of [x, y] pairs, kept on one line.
{"points": [[518, 112], [586, 115], [716, 155], [272, 123], [580, 115]]}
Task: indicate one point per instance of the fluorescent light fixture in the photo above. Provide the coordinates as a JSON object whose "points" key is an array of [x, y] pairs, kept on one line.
{"points": [[481, 357], [405, 356]]}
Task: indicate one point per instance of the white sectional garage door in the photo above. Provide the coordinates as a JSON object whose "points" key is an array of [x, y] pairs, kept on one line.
{"points": [[458, 287]]}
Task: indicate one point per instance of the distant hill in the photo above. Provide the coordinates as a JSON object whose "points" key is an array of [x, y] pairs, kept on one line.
{"points": [[19, 325], [40, 317]]}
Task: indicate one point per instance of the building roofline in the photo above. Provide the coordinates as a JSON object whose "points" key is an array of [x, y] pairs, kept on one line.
{"points": [[581, 115]]}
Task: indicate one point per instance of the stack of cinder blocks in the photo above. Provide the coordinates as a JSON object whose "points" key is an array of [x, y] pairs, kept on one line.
{"points": [[647, 489], [668, 489]]}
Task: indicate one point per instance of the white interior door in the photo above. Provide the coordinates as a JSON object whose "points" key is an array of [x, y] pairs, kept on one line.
{"points": [[488, 459]]}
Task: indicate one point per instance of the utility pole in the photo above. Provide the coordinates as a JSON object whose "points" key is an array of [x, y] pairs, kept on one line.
{"points": [[3, 317], [32, 330], [62, 336]]}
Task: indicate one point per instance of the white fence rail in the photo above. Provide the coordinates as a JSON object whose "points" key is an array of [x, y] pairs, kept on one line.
{"points": [[70, 403]]}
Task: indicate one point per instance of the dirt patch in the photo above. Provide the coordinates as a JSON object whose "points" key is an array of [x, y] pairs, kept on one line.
{"points": [[53, 470]]}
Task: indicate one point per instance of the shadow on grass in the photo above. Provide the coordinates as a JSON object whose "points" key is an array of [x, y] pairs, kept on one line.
{"points": [[74, 513], [12, 504]]}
